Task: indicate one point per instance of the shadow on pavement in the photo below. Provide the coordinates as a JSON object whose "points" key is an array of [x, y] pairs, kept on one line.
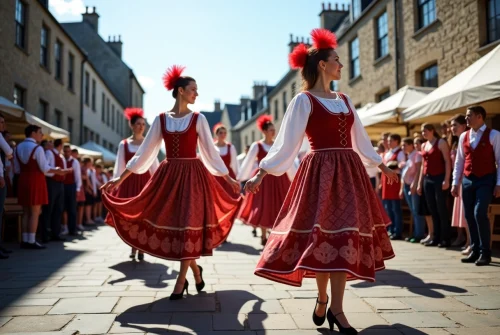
{"points": [[402, 279], [395, 329], [145, 271], [193, 313], [237, 247]]}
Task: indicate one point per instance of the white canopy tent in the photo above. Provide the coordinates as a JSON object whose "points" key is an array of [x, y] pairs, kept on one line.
{"points": [[6, 106], [87, 152], [477, 84], [51, 131], [108, 157], [385, 116]]}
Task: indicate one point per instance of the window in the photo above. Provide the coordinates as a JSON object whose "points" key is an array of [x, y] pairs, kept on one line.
{"points": [[253, 136], [285, 102], [93, 94], [87, 88], [71, 71], [294, 89], [58, 114], [58, 48], [246, 140], [44, 47], [104, 143], [20, 24], [426, 12], [97, 138], [85, 134], [92, 136], [70, 126], [382, 36], [19, 96], [356, 9], [384, 95], [43, 110], [493, 13], [107, 112], [429, 76], [276, 112], [354, 62], [113, 117], [103, 108]]}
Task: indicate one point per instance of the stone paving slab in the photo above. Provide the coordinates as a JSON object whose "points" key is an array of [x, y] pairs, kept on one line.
{"points": [[36, 323], [91, 323], [85, 305]]}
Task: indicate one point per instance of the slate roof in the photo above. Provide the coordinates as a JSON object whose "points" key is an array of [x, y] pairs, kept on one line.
{"points": [[212, 117]]}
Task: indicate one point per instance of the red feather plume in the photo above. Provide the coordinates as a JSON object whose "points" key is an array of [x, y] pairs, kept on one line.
{"points": [[171, 76], [262, 120], [323, 39], [298, 57], [131, 112], [217, 126]]}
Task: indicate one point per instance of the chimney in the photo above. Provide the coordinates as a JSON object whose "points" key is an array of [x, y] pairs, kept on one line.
{"points": [[217, 105], [293, 43], [91, 18], [116, 44], [259, 88], [331, 17]]}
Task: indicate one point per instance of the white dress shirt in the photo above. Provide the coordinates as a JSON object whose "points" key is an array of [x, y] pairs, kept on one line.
{"points": [[50, 155], [120, 164], [148, 151], [292, 132], [474, 139], [234, 165], [77, 172], [23, 153], [5, 147]]}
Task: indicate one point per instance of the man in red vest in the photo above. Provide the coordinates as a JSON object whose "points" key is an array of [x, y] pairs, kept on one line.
{"points": [[53, 211], [394, 158], [477, 166]]}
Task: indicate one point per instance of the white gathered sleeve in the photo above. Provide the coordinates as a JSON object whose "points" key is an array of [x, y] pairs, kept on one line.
{"points": [[154, 166], [120, 165], [282, 154], [235, 166], [5, 146], [148, 151], [248, 165], [361, 143], [208, 154]]}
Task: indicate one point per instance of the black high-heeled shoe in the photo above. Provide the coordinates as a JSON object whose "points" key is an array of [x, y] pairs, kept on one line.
{"points": [[201, 285], [178, 296], [132, 254], [140, 256], [333, 320], [319, 320], [254, 232]]}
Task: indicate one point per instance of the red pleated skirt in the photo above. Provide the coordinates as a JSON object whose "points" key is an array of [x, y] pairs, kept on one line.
{"points": [[331, 220], [181, 213], [130, 187], [229, 190], [32, 189], [261, 209]]}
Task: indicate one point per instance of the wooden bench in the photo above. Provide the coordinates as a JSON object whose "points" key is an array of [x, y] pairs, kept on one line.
{"points": [[493, 211], [13, 209]]}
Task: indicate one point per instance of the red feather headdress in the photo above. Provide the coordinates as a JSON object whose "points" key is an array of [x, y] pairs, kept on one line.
{"points": [[217, 126], [263, 120], [132, 112], [298, 57], [171, 76], [323, 39]]}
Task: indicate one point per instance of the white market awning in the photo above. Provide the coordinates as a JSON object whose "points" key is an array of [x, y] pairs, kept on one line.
{"points": [[107, 156], [47, 129], [478, 83], [7, 106], [86, 152]]}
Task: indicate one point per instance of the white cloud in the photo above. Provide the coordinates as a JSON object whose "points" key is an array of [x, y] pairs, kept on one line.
{"points": [[146, 82], [67, 7]]}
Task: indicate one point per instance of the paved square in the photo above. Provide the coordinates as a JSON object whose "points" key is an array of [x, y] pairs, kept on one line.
{"points": [[90, 286]]}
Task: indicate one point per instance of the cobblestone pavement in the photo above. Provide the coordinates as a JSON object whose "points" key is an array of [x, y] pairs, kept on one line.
{"points": [[89, 286]]}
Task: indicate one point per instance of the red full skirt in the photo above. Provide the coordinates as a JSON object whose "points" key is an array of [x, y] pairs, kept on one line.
{"points": [[261, 209], [181, 213], [331, 220]]}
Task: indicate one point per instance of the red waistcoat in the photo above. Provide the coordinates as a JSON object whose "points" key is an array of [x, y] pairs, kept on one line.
{"points": [[481, 160], [433, 161], [391, 191], [70, 177], [60, 164]]}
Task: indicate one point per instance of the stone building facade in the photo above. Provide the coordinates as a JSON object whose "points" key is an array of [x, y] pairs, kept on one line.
{"points": [[40, 73]]}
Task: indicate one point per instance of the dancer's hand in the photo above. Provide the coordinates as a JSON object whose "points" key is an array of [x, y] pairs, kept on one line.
{"points": [[234, 184], [111, 185], [253, 184], [392, 176], [454, 191], [446, 185], [419, 190]]}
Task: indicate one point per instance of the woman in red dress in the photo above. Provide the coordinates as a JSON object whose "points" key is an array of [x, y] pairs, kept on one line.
{"points": [[182, 213], [332, 225], [228, 153], [127, 148], [261, 209]]}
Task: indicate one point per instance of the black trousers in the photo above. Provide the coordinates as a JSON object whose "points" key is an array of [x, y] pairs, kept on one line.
{"points": [[52, 213], [70, 206], [436, 201]]}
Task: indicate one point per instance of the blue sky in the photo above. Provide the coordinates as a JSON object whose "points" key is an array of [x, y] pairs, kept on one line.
{"points": [[225, 45]]}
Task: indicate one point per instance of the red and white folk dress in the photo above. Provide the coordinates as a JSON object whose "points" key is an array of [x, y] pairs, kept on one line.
{"points": [[331, 219], [182, 212], [32, 187], [228, 155], [262, 208]]}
